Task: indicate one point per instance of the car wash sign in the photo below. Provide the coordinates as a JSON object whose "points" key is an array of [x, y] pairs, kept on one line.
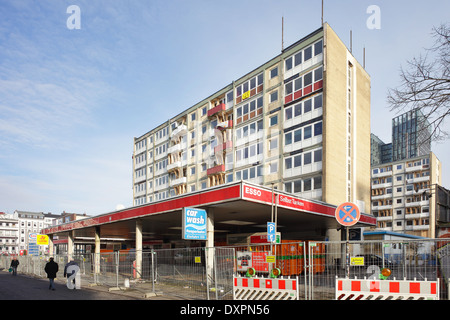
{"points": [[194, 224]]}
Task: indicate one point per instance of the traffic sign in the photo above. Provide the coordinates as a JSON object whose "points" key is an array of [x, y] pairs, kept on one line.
{"points": [[347, 214], [271, 232]]}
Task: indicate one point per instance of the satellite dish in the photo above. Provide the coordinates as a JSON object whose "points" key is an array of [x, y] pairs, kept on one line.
{"points": [[120, 207]]}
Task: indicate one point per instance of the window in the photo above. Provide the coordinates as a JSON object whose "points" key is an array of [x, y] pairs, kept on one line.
{"points": [[318, 74], [318, 182], [298, 160], [273, 143], [308, 53], [274, 72], [307, 105], [298, 58], [289, 64], [318, 101], [318, 48], [297, 186], [274, 96], [307, 132], [318, 128], [288, 88], [274, 120], [288, 187], [307, 184], [288, 163], [288, 138], [307, 79], [298, 109], [288, 113], [298, 135], [273, 167], [318, 155], [307, 158]]}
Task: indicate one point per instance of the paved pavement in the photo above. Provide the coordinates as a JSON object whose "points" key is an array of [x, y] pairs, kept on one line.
{"points": [[26, 287]]}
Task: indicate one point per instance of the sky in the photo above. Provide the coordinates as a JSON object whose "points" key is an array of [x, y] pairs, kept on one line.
{"points": [[80, 79]]}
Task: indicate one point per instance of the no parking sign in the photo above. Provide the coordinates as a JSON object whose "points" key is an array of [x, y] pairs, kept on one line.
{"points": [[347, 214]]}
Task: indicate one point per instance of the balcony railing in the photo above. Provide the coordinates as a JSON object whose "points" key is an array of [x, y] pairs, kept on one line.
{"points": [[216, 109], [224, 146], [217, 169]]}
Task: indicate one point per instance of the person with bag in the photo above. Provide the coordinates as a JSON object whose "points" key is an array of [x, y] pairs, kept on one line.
{"points": [[14, 265], [51, 269]]}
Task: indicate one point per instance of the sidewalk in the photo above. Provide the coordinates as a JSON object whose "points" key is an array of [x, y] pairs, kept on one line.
{"points": [[28, 287]]}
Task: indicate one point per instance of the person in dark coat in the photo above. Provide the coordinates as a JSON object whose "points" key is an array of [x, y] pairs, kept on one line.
{"points": [[14, 265], [51, 268]]}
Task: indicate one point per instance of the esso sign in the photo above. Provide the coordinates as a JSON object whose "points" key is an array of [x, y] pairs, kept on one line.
{"points": [[253, 191]]}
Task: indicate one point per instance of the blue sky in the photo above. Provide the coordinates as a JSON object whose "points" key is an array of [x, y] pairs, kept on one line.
{"points": [[72, 100]]}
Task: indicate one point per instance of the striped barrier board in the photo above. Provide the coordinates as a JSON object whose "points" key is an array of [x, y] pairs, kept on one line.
{"points": [[265, 288], [374, 289]]}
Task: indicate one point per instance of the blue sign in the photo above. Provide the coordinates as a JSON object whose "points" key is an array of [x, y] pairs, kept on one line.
{"points": [[194, 224], [271, 232]]}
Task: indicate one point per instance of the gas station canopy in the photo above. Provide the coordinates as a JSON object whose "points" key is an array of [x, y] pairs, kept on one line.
{"points": [[237, 208]]}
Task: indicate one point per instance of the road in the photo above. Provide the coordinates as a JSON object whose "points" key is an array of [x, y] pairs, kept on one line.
{"points": [[24, 287]]}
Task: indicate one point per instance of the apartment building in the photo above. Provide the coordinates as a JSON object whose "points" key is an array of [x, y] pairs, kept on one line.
{"points": [[9, 231], [403, 194], [299, 122]]}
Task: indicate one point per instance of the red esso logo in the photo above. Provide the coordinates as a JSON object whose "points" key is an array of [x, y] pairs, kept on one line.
{"points": [[252, 191]]}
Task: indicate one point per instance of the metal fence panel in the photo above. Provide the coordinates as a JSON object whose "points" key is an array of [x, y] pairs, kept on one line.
{"points": [[207, 273]]}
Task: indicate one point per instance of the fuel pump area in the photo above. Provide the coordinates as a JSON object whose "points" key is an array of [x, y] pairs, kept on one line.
{"points": [[250, 230]]}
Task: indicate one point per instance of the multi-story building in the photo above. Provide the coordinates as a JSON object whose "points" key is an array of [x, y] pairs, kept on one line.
{"points": [[410, 139], [30, 224], [410, 135], [9, 231], [402, 195], [300, 121]]}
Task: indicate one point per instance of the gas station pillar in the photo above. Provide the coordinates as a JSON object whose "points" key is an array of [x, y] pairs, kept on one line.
{"points": [[138, 248]]}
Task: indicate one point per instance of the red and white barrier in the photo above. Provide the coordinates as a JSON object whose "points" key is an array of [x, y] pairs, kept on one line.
{"points": [[264, 289], [370, 289]]}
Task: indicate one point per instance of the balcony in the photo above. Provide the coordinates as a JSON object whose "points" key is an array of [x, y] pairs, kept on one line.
{"points": [[227, 146], [219, 108], [177, 182], [217, 169], [179, 131], [176, 165], [225, 125]]}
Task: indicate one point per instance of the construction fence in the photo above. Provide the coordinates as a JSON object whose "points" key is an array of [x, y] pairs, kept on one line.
{"points": [[207, 273]]}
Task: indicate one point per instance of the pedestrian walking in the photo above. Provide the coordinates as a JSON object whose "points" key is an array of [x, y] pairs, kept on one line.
{"points": [[51, 269], [14, 265], [71, 271]]}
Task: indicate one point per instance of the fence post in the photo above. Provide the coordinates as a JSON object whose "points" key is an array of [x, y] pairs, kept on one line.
{"points": [[153, 278], [116, 258]]}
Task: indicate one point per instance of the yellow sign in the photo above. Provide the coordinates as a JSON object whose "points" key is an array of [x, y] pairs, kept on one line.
{"points": [[270, 259], [246, 95], [42, 240], [356, 261], [198, 259]]}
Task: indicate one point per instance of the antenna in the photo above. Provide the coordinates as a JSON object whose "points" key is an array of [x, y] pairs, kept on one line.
{"points": [[364, 57], [350, 41], [322, 12], [282, 33]]}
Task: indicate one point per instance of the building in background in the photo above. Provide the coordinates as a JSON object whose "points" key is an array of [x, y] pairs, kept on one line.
{"points": [[299, 122], [9, 231], [30, 224], [405, 174], [410, 139]]}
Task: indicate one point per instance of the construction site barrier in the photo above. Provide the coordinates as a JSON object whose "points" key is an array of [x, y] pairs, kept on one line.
{"points": [[370, 289], [265, 289]]}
